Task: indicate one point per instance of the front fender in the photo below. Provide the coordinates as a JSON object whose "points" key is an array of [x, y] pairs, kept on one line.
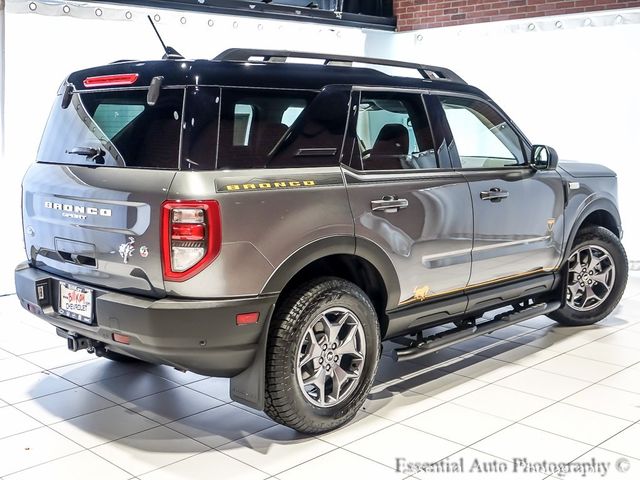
{"points": [[590, 205]]}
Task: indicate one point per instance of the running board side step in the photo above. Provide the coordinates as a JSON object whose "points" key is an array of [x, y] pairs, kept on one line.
{"points": [[447, 338]]}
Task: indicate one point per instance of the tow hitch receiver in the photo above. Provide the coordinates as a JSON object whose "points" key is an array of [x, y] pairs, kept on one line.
{"points": [[75, 342]]}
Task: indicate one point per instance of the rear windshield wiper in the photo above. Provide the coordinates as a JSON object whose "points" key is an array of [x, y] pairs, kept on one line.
{"points": [[93, 154]]}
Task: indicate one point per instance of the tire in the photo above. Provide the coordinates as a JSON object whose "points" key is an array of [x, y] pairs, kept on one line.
{"points": [[296, 323], [593, 243]]}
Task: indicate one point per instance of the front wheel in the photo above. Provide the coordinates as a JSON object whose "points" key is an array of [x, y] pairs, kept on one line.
{"points": [[322, 356], [598, 272]]}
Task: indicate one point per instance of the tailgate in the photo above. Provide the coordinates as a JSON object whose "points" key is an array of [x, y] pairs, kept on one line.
{"points": [[99, 226]]}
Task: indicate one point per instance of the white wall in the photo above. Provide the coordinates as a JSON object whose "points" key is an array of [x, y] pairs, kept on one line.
{"points": [[44, 47], [573, 85]]}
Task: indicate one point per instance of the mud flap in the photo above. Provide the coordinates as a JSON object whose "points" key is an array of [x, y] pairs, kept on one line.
{"points": [[248, 386]]}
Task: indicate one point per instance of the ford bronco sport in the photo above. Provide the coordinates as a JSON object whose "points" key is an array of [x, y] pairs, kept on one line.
{"points": [[272, 221]]}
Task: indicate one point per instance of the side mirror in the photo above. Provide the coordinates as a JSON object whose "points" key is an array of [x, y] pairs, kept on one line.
{"points": [[543, 158]]}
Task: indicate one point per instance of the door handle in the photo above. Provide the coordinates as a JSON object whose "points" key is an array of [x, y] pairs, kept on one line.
{"points": [[389, 204], [494, 195]]}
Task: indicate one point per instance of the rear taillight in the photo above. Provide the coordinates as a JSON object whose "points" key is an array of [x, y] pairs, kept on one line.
{"points": [[191, 237]]}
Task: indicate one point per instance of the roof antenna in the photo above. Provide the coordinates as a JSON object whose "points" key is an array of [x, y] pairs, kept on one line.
{"points": [[169, 53]]}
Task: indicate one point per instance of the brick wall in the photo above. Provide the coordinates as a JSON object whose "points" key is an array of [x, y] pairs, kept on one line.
{"points": [[416, 14]]}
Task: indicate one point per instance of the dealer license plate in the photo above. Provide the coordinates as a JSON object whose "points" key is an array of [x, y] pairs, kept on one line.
{"points": [[76, 302]]}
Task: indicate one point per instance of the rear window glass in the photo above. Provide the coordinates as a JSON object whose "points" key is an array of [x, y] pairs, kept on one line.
{"points": [[113, 117], [115, 128]]}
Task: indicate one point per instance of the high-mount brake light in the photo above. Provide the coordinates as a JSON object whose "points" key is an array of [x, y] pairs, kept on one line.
{"points": [[191, 237], [120, 79]]}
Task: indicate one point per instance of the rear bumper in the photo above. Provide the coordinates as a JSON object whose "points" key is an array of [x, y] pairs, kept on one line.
{"points": [[196, 335]]}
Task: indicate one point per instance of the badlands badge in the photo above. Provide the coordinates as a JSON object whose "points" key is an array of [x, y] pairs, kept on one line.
{"points": [[126, 249]]}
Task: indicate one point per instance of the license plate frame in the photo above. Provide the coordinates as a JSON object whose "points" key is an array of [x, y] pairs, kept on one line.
{"points": [[76, 302]]}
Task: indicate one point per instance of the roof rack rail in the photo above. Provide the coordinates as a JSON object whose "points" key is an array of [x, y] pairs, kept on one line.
{"points": [[279, 56]]}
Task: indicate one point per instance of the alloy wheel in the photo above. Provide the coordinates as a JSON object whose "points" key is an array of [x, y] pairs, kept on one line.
{"points": [[591, 277], [331, 357]]}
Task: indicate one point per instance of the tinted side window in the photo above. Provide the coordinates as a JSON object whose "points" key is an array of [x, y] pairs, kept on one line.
{"points": [[393, 133], [253, 123], [483, 138], [315, 135]]}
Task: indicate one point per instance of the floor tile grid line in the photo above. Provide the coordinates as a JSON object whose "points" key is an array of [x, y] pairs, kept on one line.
{"points": [[553, 433], [464, 355], [180, 433], [121, 404], [618, 433], [177, 385], [551, 476], [49, 427], [25, 431], [492, 383], [19, 355], [562, 399], [224, 402], [637, 422], [225, 443], [350, 452], [62, 456], [511, 424], [43, 370], [558, 355], [46, 372], [515, 422], [274, 476], [101, 410], [209, 449]]}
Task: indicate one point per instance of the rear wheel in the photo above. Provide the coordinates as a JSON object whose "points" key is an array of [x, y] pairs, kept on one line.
{"points": [[322, 356], [597, 278]]}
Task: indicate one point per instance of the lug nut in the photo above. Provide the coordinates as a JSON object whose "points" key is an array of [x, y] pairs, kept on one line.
{"points": [[328, 367], [321, 361], [590, 282], [336, 358], [324, 347], [582, 284], [591, 272], [334, 346]]}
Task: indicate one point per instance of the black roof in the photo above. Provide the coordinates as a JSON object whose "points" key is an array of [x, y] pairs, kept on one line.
{"points": [[263, 74]]}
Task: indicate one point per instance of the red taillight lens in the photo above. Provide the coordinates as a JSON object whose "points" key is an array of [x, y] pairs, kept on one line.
{"points": [[187, 231], [111, 80], [191, 237]]}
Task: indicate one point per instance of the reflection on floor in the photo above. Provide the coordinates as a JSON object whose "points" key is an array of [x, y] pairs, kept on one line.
{"points": [[528, 394]]}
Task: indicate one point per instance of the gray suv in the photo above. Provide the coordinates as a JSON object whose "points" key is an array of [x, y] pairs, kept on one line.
{"points": [[273, 222]]}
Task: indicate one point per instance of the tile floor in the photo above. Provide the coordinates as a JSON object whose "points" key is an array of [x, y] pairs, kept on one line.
{"points": [[531, 393]]}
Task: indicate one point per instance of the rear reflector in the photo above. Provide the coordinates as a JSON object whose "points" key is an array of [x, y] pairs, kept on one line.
{"points": [[247, 318], [118, 337], [111, 80]]}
